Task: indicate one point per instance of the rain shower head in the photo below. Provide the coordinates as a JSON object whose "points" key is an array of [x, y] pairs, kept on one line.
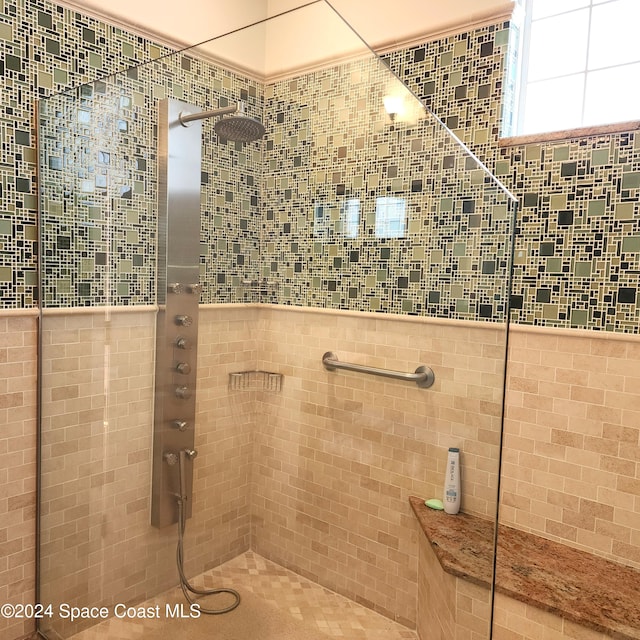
{"points": [[237, 128]]}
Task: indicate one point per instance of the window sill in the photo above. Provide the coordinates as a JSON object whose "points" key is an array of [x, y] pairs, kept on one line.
{"points": [[570, 134]]}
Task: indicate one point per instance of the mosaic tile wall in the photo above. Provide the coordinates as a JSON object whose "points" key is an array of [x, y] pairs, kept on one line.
{"points": [[446, 258], [44, 48], [100, 187], [365, 214], [577, 260], [461, 79], [578, 237]]}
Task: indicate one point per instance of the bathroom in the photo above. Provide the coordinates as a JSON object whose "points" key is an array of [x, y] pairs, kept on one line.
{"points": [[316, 475]]}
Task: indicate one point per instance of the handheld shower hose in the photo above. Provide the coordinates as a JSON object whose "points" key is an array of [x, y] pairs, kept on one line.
{"points": [[187, 589]]}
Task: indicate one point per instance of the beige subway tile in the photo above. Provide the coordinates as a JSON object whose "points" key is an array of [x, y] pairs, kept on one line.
{"points": [[561, 530], [594, 542], [571, 377], [623, 400], [589, 394]]}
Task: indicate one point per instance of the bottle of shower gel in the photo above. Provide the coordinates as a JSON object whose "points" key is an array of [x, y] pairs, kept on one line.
{"points": [[452, 482]]}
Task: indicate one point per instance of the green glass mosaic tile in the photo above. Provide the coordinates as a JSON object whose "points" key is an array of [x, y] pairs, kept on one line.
{"points": [[502, 37], [600, 157], [62, 287], [625, 211], [631, 180], [558, 202], [532, 152], [560, 154], [6, 32], [60, 77], [582, 269], [596, 208], [13, 63], [553, 265], [446, 59], [579, 318], [631, 244], [502, 168], [459, 249], [45, 20]]}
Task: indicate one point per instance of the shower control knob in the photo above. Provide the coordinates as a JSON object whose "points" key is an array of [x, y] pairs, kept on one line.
{"points": [[194, 288], [183, 343], [171, 458], [175, 287], [183, 367], [182, 392], [191, 453], [184, 321], [180, 425]]}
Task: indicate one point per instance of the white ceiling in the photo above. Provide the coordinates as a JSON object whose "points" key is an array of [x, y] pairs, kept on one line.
{"points": [[309, 35]]}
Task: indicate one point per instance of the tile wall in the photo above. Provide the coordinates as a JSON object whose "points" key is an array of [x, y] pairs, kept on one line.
{"points": [[576, 266], [337, 455], [518, 621], [575, 260], [339, 173], [449, 607], [44, 49], [576, 246], [577, 255], [98, 390], [18, 354], [97, 545], [359, 213], [571, 461], [99, 182]]}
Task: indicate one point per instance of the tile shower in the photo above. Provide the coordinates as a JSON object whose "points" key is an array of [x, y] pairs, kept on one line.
{"points": [[379, 448]]}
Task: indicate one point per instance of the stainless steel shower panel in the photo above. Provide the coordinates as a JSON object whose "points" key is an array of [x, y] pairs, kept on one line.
{"points": [[179, 177]]}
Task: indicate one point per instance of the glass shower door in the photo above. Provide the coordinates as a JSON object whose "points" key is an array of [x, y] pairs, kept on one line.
{"points": [[368, 222]]}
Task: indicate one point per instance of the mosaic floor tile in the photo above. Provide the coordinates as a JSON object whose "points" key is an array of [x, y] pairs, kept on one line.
{"points": [[277, 602]]}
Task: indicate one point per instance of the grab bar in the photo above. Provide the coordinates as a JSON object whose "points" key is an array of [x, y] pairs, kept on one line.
{"points": [[423, 376]]}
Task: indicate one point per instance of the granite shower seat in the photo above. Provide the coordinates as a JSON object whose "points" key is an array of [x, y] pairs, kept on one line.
{"points": [[575, 585]]}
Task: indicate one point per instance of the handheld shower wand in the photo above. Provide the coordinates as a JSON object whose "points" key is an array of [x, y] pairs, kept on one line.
{"points": [[186, 456]]}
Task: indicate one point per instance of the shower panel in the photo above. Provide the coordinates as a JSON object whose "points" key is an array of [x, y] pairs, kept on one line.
{"points": [[177, 324], [179, 171]]}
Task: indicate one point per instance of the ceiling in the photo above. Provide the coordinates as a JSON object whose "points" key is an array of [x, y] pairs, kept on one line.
{"points": [[288, 36]]}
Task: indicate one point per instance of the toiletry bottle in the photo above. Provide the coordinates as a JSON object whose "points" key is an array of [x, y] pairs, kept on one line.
{"points": [[452, 482]]}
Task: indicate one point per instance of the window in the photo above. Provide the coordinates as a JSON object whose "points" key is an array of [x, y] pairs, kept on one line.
{"points": [[580, 64]]}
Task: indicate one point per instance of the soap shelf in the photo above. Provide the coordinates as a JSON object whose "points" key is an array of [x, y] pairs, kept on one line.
{"points": [[261, 380]]}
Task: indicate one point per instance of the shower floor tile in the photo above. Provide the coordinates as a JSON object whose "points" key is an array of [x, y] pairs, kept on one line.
{"points": [[277, 604]]}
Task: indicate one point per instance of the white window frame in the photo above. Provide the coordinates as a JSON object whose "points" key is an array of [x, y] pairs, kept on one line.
{"points": [[523, 83]]}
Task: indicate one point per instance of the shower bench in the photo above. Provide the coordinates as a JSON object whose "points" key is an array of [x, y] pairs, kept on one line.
{"points": [[574, 585]]}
